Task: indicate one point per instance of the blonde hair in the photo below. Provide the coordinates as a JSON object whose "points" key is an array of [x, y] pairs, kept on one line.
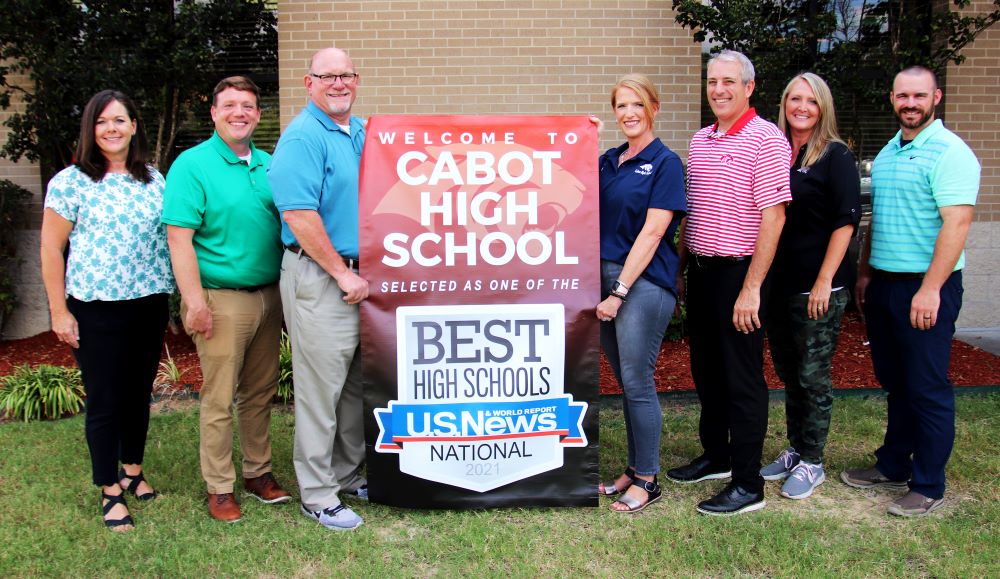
{"points": [[825, 131], [644, 88]]}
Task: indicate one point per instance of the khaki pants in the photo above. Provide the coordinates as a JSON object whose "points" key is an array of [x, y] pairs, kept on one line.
{"points": [[239, 363], [326, 360]]}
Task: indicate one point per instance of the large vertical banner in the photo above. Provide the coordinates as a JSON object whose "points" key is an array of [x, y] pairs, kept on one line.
{"points": [[479, 239]]}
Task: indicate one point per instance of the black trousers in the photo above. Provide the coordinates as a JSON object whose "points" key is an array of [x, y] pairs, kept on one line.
{"points": [[728, 371], [120, 344]]}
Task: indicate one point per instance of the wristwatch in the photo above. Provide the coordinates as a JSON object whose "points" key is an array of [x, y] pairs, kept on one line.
{"points": [[619, 288]]}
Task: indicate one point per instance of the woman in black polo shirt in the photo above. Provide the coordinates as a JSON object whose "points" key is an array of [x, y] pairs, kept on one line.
{"points": [[810, 278], [641, 201]]}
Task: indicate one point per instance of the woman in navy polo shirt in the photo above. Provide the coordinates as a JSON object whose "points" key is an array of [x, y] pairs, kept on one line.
{"points": [[642, 202], [810, 277]]}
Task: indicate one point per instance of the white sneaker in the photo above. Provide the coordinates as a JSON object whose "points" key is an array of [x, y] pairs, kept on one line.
{"points": [[338, 518], [804, 479]]}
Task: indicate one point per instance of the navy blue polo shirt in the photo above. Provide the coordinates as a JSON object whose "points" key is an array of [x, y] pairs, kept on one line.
{"points": [[652, 179]]}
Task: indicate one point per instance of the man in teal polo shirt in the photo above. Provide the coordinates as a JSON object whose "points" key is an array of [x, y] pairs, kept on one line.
{"points": [[314, 176], [924, 185], [224, 237]]}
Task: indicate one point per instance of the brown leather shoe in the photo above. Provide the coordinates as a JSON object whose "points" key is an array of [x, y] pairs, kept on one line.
{"points": [[266, 489], [223, 507]]}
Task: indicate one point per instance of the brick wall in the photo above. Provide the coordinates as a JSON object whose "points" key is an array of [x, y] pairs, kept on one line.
{"points": [[972, 109], [32, 316], [493, 56]]}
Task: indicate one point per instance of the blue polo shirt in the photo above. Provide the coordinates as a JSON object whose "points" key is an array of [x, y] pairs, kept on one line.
{"points": [[652, 179], [909, 185], [315, 166]]}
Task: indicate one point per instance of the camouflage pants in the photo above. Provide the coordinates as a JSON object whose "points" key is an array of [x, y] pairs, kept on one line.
{"points": [[802, 350]]}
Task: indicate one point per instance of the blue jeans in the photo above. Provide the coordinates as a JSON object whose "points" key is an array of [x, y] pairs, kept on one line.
{"points": [[912, 367], [632, 343]]}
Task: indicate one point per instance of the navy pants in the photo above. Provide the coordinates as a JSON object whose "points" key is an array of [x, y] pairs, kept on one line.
{"points": [[120, 344], [728, 371], [912, 367]]}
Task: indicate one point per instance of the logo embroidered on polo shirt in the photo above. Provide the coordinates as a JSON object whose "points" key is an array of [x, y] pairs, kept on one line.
{"points": [[646, 169], [726, 159]]}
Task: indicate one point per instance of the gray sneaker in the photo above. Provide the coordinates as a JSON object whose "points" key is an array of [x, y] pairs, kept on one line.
{"points": [[359, 493], [870, 478], [782, 466], [338, 518], [804, 479], [913, 504]]}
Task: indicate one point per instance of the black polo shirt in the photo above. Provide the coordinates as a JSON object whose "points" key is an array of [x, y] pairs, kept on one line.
{"points": [[825, 197]]}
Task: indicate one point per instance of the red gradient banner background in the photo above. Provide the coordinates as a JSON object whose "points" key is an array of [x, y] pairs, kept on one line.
{"points": [[468, 213]]}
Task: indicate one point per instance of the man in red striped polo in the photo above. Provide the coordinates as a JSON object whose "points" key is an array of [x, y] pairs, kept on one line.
{"points": [[738, 186]]}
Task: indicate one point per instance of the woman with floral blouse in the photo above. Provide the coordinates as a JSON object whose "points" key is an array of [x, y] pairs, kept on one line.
{"points": [[108, 300]]}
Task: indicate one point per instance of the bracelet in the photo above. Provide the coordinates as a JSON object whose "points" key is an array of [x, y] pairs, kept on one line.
{"points": [[618, 295]]}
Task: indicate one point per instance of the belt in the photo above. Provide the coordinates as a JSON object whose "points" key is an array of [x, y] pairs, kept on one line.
{"points": [[249, 288], [350, 262], [712, 261], [897, 275]]}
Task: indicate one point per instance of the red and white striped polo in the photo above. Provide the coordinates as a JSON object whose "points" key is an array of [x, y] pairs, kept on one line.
{"points": [[732, 177]]}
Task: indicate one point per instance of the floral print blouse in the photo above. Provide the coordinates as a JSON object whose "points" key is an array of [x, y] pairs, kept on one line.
{"points": [[118, 247]]}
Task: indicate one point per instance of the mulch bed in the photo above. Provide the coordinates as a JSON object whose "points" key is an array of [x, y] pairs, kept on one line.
{"points": [[970, 366]]}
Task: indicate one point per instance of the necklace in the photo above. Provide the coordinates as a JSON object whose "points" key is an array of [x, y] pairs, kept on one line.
{"points": [[626, 155]]}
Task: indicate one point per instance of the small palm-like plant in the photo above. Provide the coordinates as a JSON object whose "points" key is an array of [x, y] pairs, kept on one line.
{"points": [[42, 392], [285, 391]]}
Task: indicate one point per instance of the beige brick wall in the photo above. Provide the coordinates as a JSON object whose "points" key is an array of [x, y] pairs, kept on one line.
{"points": [[972, 109], [32, 316], [493, 56]]}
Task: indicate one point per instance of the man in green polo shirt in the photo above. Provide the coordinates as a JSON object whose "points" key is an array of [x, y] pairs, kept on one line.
{"points": [[225, 245]]}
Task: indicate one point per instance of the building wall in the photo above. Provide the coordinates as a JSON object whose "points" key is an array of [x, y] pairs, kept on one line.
{"points": [[496, 56], [972, 109], [31, 316]]}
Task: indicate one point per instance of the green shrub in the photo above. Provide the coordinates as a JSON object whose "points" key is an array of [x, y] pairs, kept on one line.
{"points": [[12, 217], [285, 391], [42, 392]]}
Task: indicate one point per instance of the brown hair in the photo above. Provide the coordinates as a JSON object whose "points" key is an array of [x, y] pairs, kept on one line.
{"points": [[89, 157], [239, 83]]}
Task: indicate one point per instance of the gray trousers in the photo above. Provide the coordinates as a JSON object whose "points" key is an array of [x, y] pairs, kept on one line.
{"points": [[326, 364]]}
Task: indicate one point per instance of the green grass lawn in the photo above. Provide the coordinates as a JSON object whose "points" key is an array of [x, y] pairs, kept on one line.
{"points": [[50, 524]]}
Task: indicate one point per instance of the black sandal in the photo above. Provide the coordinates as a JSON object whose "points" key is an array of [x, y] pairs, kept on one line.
{"points": [[106, 508], [133, 486], [609, 488], [652, 491]]}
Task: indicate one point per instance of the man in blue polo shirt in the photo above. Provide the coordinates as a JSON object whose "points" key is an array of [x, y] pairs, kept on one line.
{"points": [[314, 176], [924, 186], [223, 232]]}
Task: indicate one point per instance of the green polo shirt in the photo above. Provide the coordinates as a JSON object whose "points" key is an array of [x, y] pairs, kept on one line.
{"points": [[228, 203]]}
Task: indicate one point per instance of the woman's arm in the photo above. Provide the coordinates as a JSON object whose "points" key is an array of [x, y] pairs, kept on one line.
{"points": [[639, 256], [55, 235]]}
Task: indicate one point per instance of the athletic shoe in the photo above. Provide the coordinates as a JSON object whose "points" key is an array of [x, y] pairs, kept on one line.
{"points": [[338, 518], [782, 466], [805, 477], [870, 478], [914, 504]]}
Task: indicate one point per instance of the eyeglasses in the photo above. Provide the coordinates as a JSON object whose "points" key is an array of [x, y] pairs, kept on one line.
{"points": [[346, 78]]}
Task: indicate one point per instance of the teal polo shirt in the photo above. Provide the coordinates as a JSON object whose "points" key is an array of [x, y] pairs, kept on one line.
{"points": [[909, 185], [316, 167], [228, 203]]}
